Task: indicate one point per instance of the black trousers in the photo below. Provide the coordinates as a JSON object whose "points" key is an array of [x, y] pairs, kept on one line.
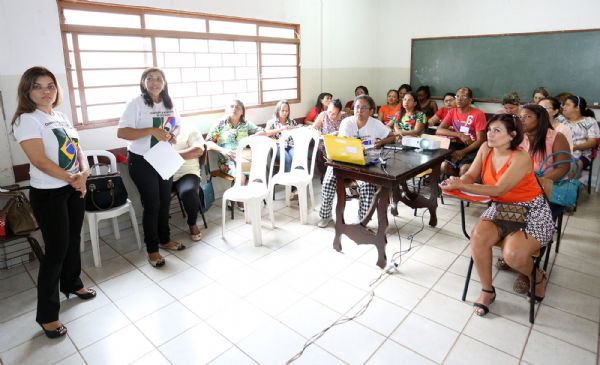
{"points": [[59, 213], [188, 188], [155, 193]]}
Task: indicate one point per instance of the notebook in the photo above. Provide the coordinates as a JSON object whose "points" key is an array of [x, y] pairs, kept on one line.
{"points": [[346, 149]]}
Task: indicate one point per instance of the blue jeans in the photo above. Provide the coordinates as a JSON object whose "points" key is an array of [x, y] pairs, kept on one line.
{"points": [[289, 156]]}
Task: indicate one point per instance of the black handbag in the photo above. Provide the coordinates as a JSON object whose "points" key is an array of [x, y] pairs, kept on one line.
{"points": [[104, 191]]}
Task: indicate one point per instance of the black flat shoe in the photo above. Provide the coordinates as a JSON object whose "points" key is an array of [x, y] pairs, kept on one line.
{"points": [[89, 294], [56, 333]]}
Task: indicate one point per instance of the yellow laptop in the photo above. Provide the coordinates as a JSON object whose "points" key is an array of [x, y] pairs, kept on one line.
{"points": [[344, 149]]}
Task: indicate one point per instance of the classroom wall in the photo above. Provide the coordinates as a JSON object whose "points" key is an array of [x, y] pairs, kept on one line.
{"points": [[343, 43], [421, 19]]}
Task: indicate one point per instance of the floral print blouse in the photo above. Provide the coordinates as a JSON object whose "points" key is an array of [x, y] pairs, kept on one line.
{"points": [[226, 136]]}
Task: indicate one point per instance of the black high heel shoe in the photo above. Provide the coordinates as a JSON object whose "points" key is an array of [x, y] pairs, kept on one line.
{"points": [[89, 294], [55, 333]]}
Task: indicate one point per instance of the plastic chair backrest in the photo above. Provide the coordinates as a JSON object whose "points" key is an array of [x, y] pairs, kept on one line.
{"points": [[95, 154], [263, 152], [302, 137]]}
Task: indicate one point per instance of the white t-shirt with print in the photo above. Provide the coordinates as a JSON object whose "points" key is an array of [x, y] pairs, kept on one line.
{"points": [[139, 115], [60, 142], [374, 129], [581, 131]]}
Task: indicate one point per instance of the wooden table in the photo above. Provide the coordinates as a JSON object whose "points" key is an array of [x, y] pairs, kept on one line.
{"points": [[401, 166]]}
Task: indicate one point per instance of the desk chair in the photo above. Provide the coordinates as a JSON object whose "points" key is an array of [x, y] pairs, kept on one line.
{"points": [[94, 218]]}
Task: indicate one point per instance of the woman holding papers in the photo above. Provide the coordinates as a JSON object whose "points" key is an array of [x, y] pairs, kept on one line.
{"points": [[509, 179], [58, 170], [147, 120]]}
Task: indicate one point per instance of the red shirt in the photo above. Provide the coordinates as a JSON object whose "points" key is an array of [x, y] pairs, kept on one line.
{"points": [[442, 112], [471, 122], [312, 115]]}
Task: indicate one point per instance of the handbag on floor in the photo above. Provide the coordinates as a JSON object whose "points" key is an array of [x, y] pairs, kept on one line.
{"points": [[105, 191], [564, 191], [17, 210]]}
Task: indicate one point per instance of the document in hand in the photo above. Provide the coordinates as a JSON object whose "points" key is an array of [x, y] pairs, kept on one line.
{"points": [[165, 160]]}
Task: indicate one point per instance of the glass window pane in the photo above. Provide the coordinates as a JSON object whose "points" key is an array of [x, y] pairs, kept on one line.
{"points": [[245, 47], [100, 19], [278, 84], [115, 60], [273, 72], [167, 44], [218, 26], [222, 100], [181, 23], [279, 94], [279, 60], [182, 89], [276, 32], [103, 112], [194, 45], [248, 98], [220, 46], [110, 94], [113, 43], [278, 48], [111, 77]]}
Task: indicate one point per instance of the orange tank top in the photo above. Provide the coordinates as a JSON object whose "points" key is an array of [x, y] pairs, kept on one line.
{"points": [[526, 190]]}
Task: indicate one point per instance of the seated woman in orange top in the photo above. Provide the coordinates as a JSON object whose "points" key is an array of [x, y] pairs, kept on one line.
{"points": [[508, 177], [386, 112]]}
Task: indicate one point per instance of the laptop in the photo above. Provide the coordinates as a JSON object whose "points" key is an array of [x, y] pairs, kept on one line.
{"points": [[346, 149]]}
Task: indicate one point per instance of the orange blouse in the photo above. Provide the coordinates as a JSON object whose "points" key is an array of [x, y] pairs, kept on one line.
{"points": [[388, 112], [526, 190]]}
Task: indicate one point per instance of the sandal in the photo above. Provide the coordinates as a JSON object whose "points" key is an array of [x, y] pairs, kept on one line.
{"points": [[160, 261], [521, 284], [538, 299], [195, 236], [55, 333], [502, 265], [482, 306], [172, 246]]}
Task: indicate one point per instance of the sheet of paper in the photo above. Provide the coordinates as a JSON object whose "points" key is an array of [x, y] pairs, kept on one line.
{"points": [[165, 160]]}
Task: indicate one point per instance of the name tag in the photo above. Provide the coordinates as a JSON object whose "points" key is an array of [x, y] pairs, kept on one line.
{"points": [[464, 129]]}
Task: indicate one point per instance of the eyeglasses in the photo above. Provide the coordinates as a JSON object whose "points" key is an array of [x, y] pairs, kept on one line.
{"points": [[461, 97], [363, 108]]}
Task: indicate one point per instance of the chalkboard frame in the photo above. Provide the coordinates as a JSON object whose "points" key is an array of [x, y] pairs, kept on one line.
{"points": [[492, 100]]}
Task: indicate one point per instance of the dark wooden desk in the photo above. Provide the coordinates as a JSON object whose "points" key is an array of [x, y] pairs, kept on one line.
{"points": [[401, 166]]}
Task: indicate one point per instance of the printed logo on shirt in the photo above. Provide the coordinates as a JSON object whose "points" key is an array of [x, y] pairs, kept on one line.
{"points": [[67, 152], [162, 120]]}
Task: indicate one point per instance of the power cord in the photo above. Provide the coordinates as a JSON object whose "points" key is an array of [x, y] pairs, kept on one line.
{"points": [[395, 261]]}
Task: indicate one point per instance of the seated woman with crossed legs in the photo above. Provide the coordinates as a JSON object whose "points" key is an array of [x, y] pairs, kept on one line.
{"points": [[508, 177]]}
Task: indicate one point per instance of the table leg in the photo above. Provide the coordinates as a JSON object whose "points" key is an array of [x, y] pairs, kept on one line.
{"points": [[339, 212], [415, 200]]}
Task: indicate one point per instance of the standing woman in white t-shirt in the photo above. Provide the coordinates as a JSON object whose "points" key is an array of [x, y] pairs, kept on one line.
{"points": [[58, 172], [148, 119]]}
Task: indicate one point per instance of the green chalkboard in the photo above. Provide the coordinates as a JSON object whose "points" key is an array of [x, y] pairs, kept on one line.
{"points": [[497, 64]]}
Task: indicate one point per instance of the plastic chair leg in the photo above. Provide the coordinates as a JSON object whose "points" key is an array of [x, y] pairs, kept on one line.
{"points": [[311, 191], [223, 211], [134, 225], [303, 203], [95, 241], [253, 211], [288, 191], [115, 224]]}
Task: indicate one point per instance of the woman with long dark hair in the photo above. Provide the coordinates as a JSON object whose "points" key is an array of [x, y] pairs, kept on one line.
{"points": [[147, 120], [583, 127], [410, 120], [58, 171], [508, 177], [323, 101]]}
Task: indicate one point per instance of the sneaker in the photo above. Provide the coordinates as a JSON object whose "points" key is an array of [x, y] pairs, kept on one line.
{"points": [[324, 222]]}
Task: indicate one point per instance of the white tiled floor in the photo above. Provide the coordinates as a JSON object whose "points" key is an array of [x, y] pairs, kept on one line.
{"points": [[225, 301]]}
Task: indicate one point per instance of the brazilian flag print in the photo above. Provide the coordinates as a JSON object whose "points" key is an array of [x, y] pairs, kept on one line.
{"points": [[67, 150], [157, 122]]}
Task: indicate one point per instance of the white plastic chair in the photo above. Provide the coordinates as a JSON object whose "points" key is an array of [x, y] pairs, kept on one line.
{"points": [[94, 218], [300, 174], [263, 151]]}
